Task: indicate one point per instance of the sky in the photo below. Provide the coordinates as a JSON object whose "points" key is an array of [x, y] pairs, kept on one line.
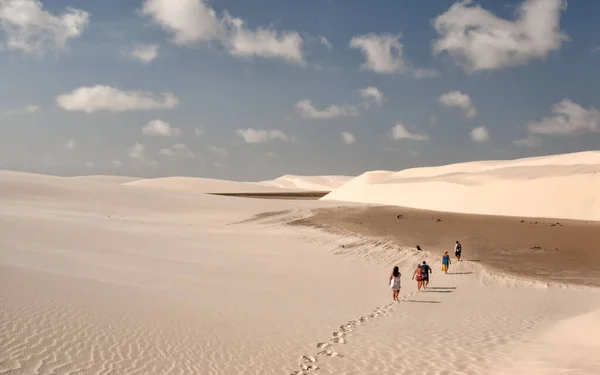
{"points": [[251, 90]]}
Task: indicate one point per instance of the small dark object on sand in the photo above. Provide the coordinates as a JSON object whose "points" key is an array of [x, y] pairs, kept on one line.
{"points": [[438, 220], [522, 221], [419, 248], [399, 216]]}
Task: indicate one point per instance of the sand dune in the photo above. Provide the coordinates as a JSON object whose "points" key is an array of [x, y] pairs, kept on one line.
{"points": [[123, 279], [558, 186], [312, 183], [108, 179], [206, 185]]}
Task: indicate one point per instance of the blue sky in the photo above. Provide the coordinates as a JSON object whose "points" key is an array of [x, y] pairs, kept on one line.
{"points": [[253, 90]]}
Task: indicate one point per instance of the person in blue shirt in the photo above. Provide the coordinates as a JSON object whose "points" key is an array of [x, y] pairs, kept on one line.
{"points": [[426, 270], [446, 262]]}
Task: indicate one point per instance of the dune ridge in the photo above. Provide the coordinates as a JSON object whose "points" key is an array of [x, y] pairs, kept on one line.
{"points": [[559, 186]]}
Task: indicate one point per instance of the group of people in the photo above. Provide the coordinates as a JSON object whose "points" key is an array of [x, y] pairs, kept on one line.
{"points": [[422, 272]]}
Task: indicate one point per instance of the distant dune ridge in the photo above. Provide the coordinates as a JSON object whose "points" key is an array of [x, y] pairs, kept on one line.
{"points": [[287, 183], [558, 186]]}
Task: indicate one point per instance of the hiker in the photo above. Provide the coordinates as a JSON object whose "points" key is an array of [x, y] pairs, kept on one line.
{"points": [[446, 262], [395, 283], [418, 275], [425, 271], [457, 250]]}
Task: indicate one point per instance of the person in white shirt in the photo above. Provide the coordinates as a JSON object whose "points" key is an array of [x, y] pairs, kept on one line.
{"points": [[458, 250]]}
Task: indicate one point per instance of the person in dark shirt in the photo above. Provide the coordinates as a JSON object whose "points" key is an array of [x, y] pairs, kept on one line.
{"points": [[426, 270]]}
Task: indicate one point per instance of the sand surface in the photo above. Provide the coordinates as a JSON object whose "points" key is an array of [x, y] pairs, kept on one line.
{"points": [[121, 279], [565, 251], [558, 186]]}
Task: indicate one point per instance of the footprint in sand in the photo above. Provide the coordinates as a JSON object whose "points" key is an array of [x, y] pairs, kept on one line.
{"points": [[338, 340], [322, 345], [309, 359], [330, 353]]}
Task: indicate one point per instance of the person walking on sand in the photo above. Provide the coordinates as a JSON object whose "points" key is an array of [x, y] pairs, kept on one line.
{"points": [[395, 283], [418, 275], [446, 262], [425, 271], [457, 250]]}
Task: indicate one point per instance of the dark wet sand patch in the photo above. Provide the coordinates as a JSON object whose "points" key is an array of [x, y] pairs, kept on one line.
{"points": [[557, 250], [309, 195]]}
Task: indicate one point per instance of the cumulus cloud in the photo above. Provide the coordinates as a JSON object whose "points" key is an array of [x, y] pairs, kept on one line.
{"points": [[218, 151], [263, 42], [137, 153], [372, 95], [71, 145], [160, 128], [307, 110], [348, 138], [529, 141], [478, 40], [459, 100], [568, 118], [29, 28], [180, 150], [106, 98], [23, 111], [261, 136], [190, 21], [383, 53], [480, 134], [401, 132], [195, 21], [145, 52]]}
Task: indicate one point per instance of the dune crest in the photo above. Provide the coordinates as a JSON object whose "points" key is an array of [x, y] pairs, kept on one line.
{"points": [[558, 186], [313, 183]]}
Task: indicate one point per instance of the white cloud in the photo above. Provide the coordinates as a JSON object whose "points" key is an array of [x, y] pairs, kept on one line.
{"points": [[528, 141], [71, 145], [199, 132], [348, 138], [480, 134], [459, 100], [117, 163], [325, 42], [23, 111], [218, 151], [306, 109], [195, 21], [401, 132], [383, 53], [89, 164], [568, 118], [137, 153], [263, 42], [595, 49], [190, 21], [145, 52], [479, 40], [106, 98], [180, 150], [160, 128], [260, 135], [31, 29], [372, 95]]}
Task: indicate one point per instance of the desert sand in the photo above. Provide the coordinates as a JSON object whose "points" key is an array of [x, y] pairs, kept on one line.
{"points": [[111, 278], [558, 186]]}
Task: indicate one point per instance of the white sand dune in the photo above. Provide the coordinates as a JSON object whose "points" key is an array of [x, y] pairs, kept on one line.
{"points": [[108, 179], [312, 183], [207, 185], [123, 279], [559, 186]]}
